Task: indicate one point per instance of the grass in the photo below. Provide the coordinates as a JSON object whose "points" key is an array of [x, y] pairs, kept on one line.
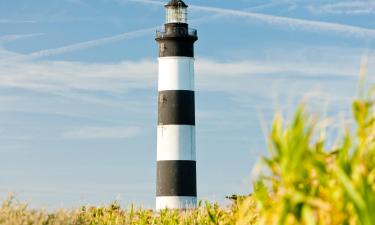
{"points": [[306, 182]]}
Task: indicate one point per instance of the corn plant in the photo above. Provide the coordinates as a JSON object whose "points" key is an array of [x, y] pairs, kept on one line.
{"points": [[309, 184]]}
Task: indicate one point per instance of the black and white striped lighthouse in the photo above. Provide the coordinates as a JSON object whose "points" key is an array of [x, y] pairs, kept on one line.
{"points": [[176, 161]]}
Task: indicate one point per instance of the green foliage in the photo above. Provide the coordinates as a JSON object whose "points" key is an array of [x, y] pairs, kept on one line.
{"points": [[307, 183]]}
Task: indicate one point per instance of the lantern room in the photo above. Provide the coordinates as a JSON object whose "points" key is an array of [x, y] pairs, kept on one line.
{"points": [[176, 12]]}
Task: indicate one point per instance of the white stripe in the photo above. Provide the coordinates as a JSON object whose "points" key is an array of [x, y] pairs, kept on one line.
{"points": [[176, 73], [176, 142], [175, 202]]}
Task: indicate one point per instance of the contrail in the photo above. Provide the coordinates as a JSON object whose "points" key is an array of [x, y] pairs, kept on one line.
{"points": [[87, 44], [279, 20], [92, 43], [294, 23]]}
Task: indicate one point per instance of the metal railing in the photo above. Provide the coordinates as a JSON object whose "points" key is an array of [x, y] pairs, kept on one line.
{"points": [[180, 31]]}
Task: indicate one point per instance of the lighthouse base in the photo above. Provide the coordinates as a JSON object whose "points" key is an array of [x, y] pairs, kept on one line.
{"points": [[175, 202]]}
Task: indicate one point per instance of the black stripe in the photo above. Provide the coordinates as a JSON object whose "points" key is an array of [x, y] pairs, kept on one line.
{"points": [[176, 46], [176, 40], [176, 178], [176, 108]]}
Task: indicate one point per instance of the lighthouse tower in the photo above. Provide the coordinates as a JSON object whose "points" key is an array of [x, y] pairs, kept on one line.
{"points": [[176, 161]]}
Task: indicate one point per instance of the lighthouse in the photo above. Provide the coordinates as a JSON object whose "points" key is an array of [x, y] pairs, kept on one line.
{"points": [[176, 186]]}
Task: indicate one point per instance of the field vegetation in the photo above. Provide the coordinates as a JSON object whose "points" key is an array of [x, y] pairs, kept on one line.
{"points": [[304, 180]]}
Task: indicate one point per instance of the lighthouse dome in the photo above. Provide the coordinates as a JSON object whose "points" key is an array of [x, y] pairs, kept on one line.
{"points": [[176, 3]]}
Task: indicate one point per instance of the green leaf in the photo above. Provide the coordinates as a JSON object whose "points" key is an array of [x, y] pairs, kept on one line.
{"points": [[308, 215], [350, 189]]}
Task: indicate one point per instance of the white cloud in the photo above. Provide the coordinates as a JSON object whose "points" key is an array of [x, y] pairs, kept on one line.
{"points": [[301, 72], [55, 76], [346, 7], [52, 76], [5, 54], [63, 76], [258, 67], [103, 133]]}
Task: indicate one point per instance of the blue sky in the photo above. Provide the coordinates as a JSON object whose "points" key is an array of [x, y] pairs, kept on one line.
{"points": [[78, 87]]}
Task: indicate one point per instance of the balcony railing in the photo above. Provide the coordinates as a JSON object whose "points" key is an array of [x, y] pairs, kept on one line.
{"points": [[176, 31]]}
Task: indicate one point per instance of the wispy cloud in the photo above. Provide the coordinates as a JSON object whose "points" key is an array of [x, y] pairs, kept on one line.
{"points": [[15, 37], [279, 20], [257, 67], [275, 74], [103, 133], [5, 54], [346, 7], [16, 21], [78, 2], [57, 77], [53, 76]]}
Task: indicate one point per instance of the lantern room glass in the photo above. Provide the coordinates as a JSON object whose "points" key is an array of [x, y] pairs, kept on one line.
{"points": [[176, 14]]}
